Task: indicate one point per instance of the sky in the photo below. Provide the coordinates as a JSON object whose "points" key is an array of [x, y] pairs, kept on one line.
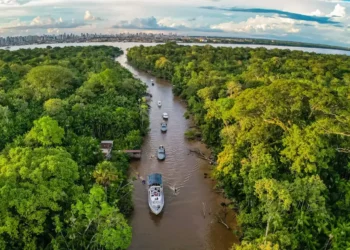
{"points": [[315, 21]]}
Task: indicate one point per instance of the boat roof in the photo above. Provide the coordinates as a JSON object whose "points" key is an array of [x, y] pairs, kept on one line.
{"points": [[155, 179], [165, 113]]}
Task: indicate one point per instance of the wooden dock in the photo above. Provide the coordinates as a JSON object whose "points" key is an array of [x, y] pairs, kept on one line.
{"points": [[133, 153]]}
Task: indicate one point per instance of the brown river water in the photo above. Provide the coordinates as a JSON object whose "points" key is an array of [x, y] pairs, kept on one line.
{"points": [[182, 224]]}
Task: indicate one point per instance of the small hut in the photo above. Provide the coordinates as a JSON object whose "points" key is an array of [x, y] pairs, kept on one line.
{"points": [[106, 148]]}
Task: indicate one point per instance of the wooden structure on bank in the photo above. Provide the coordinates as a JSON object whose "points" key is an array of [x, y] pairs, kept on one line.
{"points": [[106, 148], [133, 153]]}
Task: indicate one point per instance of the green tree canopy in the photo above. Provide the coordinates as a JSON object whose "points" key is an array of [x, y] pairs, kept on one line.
{"points": [[36, 185], [278, 122], [55, 101], [45, 132], [48, 81], [95, 224]]}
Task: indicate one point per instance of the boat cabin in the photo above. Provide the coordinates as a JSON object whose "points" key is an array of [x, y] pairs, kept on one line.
{"points": [[161, 153], [163, 127], [165, 116], [155, 193]]}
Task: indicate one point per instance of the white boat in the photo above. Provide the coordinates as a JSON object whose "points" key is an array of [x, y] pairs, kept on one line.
{"points": [[163, 127], [155, 193], [161, 153], [159, 103], [165, 116]]}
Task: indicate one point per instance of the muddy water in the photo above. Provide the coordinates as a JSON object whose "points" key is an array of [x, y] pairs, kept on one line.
{"points": [[182, 224]]}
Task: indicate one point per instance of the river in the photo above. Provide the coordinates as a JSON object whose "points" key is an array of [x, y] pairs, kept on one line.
{"points": [[182, 225], [189, 220]]}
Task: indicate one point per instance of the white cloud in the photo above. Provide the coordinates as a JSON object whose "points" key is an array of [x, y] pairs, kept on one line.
{"points": [[149, 23], [40, 22], [89, 17], [8, 2], [12, 3], [193, 24], [173, 23], [53, 30], [166, 24], [178, 16], [260, 24], [316, 13], [339, 11]]}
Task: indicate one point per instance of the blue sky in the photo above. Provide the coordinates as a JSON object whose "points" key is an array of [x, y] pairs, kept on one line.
{"points": [[318, 21]]}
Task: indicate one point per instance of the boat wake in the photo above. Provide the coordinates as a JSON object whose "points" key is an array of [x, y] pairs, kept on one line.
{"points": [[175, 188]]}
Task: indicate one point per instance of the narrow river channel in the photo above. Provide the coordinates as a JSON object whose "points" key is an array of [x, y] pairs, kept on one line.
{"points": [[182, 225]]}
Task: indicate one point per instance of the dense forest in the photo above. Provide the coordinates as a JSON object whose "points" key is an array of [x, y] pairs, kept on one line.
{"points": [[279, 123], [57, 191]]}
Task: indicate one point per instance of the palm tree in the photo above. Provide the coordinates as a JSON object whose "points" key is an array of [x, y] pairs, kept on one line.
{"points": [[105, 173]]}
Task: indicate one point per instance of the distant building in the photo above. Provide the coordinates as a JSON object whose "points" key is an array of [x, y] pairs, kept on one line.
{"points": [[106, 148]]}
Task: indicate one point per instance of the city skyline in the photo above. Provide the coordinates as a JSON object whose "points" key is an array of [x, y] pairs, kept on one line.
{"points": [[314, 21]]}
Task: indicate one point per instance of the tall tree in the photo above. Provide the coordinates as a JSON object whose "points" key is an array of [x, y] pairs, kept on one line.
{"points": [[36, 186], [48, 81], [45, 132]]}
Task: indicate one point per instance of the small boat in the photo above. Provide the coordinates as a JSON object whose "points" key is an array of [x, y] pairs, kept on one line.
{"points": [[165, 116], [155, 193], [152, 83], [163, 127], [161, 153], [159, 103]]}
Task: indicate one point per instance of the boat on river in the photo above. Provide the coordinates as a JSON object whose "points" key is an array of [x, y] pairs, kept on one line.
{"points": [[163, 127], [161, 153], [165, 116], [159, 103], [155, 193]]}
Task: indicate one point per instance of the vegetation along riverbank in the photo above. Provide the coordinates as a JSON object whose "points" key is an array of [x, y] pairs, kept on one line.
{"points": [[57, 190], [279, 123]]}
